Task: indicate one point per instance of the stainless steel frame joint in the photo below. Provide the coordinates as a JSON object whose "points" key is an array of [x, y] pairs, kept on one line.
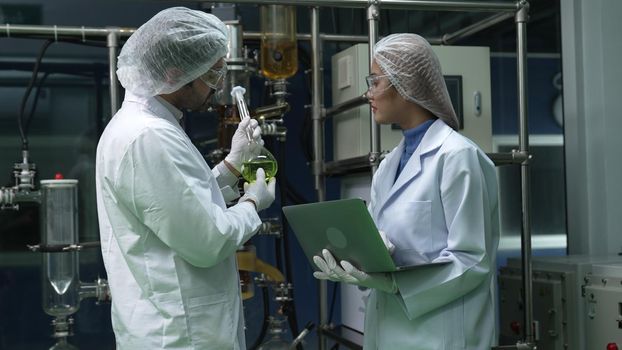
{"points": [[522, 14], [317, 167], [374, 158], [372, 11]]}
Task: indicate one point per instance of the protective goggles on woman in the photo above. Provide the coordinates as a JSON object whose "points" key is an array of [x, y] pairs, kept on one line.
{"points": [[374, 84]]}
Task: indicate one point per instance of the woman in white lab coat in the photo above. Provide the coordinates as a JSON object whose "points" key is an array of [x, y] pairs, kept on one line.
{"points": [[434, 197]]}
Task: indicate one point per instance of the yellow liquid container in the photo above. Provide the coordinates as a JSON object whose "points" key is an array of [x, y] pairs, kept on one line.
{"points": [[268, 163], [279, 50]]}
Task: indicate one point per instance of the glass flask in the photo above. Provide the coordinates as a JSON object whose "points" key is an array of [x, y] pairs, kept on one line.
{"points": [[258, 156], [264, 160], [276, 328], [279, 50], [59, 227]]}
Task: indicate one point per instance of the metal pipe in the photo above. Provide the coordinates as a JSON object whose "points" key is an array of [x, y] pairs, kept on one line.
{"points": [[318, 146], [347, 105], [428, 5], [372, 22], [522, 16], [11, 30], [113, 48], [450, 38], [307, 37]]}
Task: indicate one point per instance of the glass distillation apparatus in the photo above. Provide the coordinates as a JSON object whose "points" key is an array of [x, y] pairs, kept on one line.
{"points": [[279, 47], [60, 274], [240, 67], [62, 290]]}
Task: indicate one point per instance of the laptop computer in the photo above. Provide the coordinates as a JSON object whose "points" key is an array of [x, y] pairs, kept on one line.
{"points": [[346, 229]]}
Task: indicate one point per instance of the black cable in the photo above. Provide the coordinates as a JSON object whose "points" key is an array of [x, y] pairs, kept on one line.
{"points": [[33, 79], [266, 317], [34, 103]]}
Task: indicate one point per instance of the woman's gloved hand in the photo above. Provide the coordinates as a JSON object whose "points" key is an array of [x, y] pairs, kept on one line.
{"points": [[258, 192], [387, 243], [240, 147], [347, 273]]}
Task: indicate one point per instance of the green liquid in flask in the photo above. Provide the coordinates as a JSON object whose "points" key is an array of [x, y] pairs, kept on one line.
{"points": [[249, 168]]}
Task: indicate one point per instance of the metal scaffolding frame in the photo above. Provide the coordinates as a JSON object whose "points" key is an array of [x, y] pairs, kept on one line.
{"points": [[503, 10]]}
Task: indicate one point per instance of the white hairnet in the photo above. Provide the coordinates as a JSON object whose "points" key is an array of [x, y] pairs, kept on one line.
{"points": [[414, 71], [173, 48]]}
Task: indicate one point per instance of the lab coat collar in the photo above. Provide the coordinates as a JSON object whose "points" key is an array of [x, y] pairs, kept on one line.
{"points": [[156, 106], [432, 140]]}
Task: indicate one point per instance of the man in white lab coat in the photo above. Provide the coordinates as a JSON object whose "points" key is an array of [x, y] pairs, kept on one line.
{"points": [[434, 197], [168, 239]]}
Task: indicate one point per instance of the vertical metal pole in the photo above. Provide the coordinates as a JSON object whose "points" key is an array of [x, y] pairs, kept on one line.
{"points": [[522, 16], [372, 21], [318, 147], [113, 49]]}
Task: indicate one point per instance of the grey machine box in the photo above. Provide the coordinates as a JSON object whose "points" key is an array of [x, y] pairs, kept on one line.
{"points": [[558, 305], [603, 304]]}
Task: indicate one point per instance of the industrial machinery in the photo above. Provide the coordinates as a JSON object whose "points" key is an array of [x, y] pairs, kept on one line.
{"points": [[603, 307], [559, 284]]}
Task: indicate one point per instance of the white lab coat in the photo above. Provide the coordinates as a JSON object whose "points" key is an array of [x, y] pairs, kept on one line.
{"points": [[168, 240], [443, 205]]}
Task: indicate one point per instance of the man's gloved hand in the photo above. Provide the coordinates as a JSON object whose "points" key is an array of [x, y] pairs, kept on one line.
{"points": [[240, 147], [259, 192], [347, 273], [387, 243]]}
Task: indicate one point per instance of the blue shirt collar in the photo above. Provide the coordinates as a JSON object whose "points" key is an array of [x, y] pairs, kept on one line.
{"points": [[412, 137]]}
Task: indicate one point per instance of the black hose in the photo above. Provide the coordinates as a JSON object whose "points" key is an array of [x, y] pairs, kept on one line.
{"points": [[31, 84], [34, 103], [266, 317]]}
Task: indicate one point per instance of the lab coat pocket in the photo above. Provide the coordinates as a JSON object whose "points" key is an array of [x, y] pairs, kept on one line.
{"points": [[210, 319], [413, 235]]}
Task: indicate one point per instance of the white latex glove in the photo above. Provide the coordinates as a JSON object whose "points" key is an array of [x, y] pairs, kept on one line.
{"points": [[350, 274], [387, 243], [241, 149], [259, 192]]}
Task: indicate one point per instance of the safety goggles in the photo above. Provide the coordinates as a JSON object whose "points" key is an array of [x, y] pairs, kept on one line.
{"points": [[215, 77], [373, 84]]}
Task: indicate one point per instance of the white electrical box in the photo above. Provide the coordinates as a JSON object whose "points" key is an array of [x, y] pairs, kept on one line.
{"points": [[558, 305], [467, 74], [603, 303]]}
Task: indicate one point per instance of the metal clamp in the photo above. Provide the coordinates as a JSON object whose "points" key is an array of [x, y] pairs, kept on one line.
{"points": [[372, 10], [61, 248], [374, 158], [62, 327], [522, 14], [283, 292]]}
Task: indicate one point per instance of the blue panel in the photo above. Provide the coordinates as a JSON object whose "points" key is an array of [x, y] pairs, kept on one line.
{"points": [[541, 94]]}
